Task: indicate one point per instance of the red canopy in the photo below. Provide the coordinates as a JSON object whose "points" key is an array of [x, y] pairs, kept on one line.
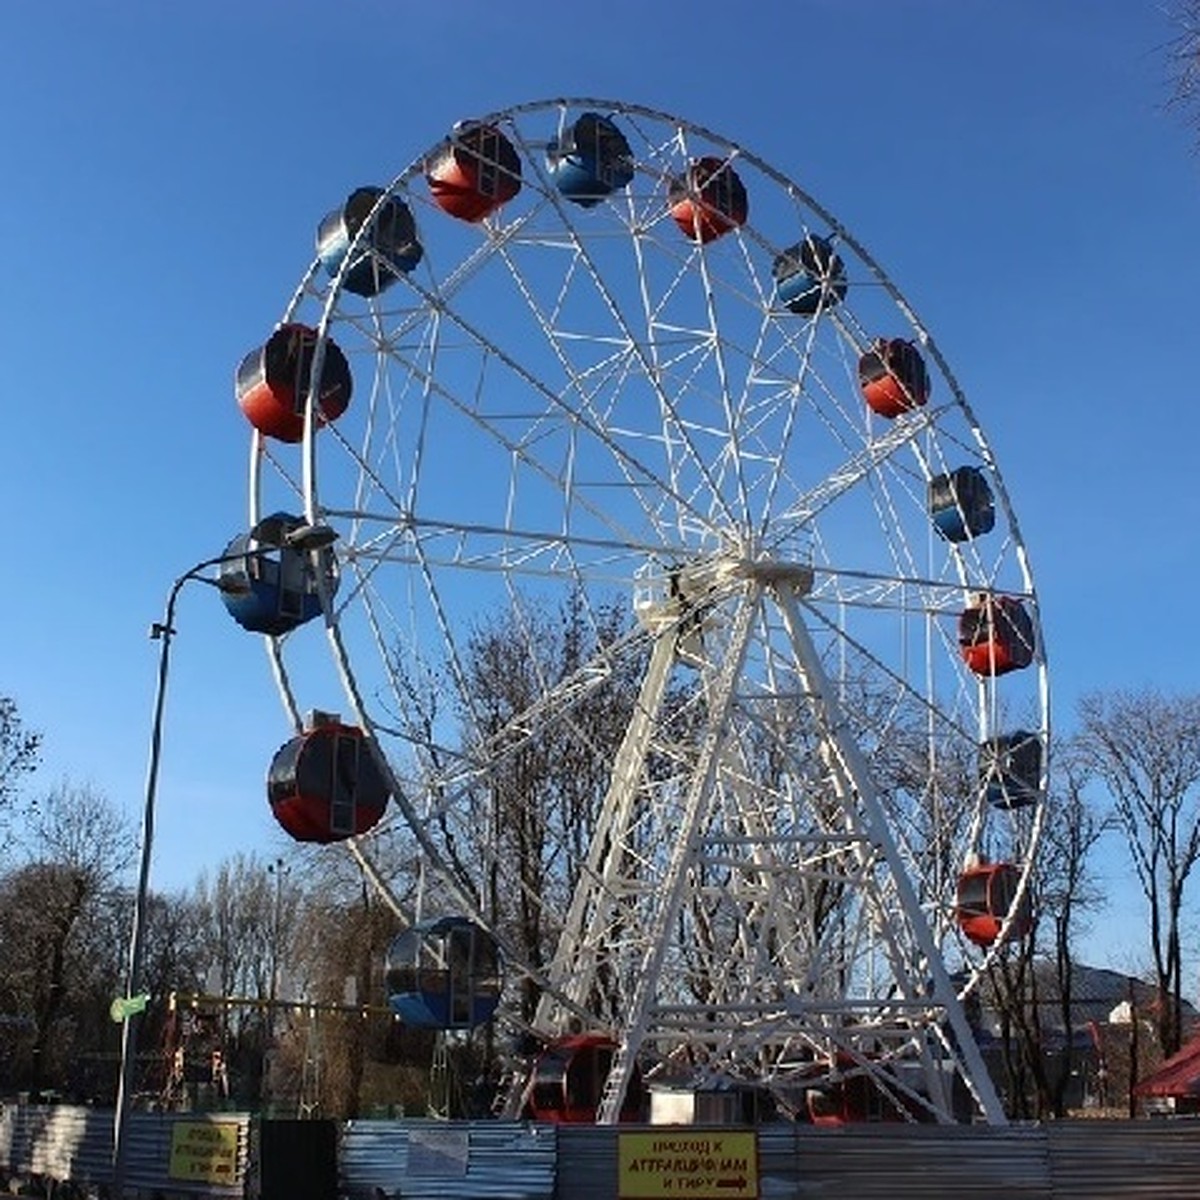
{"points": [[1179, 1075]]}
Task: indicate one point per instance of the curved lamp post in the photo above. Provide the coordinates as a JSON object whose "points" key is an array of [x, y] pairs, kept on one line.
{"points": [[305, 538]]}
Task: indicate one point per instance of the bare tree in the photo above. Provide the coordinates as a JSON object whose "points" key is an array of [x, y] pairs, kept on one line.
{"points": [[18, 752], [1145, 749], [237, 907], [546, 778], [54, 911], [1067, 893], [1183, 58], [246, 918], [1034, 980]]}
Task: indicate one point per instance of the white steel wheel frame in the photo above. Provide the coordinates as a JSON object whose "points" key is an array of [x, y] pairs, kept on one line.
{"points": [[575, 406]]}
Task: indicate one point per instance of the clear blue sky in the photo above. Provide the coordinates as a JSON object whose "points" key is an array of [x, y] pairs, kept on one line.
{"points": [[1009, 163]]}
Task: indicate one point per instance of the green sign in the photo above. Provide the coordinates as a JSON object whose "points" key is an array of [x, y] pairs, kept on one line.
{"points": [[125, 1006]]}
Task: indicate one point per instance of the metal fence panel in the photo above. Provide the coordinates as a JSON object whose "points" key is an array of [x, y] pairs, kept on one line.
{"points": [[1116, 1160], [149, 1153], [1087, 1160], [68, 1142], [587, 1162], [919, 1162], [502, 1160], [862, 1162], [58, 1142], [454, 1160]]}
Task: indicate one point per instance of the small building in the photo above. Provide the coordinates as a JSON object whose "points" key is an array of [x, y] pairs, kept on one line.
{"points": [[1174, 1087], [1099, 1054]]}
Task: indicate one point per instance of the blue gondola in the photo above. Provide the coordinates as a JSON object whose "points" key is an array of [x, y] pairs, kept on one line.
{"points": [[1010, 769], [274, 591], [809, 276], [444, 974], [961, 504], [389, 250], [590, 161]]}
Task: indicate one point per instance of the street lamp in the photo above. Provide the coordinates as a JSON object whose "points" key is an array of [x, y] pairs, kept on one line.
{"points": [[305, 538]]}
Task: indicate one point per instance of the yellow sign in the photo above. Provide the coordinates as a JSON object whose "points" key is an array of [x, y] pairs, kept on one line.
{"points": [[204, 1151], [676, 1164]]}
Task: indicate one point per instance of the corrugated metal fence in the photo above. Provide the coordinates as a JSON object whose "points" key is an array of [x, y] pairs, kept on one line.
{"points": [[1085, 1160], [181, 1153], [503, 1160], [450, 1160]]}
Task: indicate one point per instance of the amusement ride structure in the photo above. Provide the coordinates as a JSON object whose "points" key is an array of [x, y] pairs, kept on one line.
{"points": [[683, 687]]}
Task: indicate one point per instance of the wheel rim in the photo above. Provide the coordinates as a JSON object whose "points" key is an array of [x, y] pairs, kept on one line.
{"points": [[567, 401]]}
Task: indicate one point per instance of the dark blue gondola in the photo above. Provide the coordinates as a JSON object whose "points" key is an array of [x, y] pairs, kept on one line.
{"points": [[444, 974], [809, 276], [269, 586], [389, 249], [1010, 768], [590, 161], [961, 504]]}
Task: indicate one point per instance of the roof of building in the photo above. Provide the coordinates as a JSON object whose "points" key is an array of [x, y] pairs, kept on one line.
{"points": [[1095, 993], [1178, 1075]]}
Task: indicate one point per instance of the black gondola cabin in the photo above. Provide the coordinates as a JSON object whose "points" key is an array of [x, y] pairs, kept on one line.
{"points": [[1010, 769], [324, 785], [961, 505], [274, 591], [986, 895], [569, 1077], [474, 173], [893, 377], [709, 201], [273, 382], [590, 161], [809, 277], [388, 250], [995, 635], [444, 974]]}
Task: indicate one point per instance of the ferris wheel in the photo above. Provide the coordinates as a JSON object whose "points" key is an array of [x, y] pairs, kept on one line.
{"points": [[678, 600]]}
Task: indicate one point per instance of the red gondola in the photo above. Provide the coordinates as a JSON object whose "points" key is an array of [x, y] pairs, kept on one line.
{"points": [[569, 1077], [995, 635], [893, 377], [273, 383], [710, 201], [476, 172], [856, 1096], [325, 786], [986, 895]]}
